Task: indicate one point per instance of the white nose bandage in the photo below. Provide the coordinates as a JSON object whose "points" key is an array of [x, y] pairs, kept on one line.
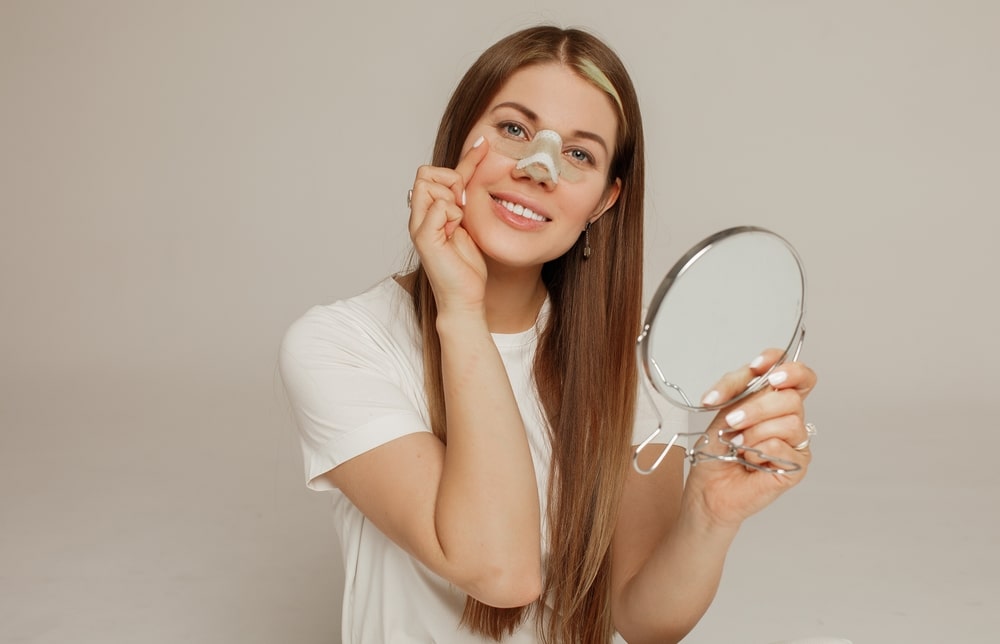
{"points": [[541, 158]]}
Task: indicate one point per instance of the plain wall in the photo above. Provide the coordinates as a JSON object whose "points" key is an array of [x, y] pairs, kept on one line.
{"points": [[180, 180]]}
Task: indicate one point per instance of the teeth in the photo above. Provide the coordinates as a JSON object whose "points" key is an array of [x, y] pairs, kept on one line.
{"points": [[520, 210]]}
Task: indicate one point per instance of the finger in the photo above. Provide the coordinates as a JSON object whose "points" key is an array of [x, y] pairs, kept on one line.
{"points": [[773, 416], [470, 161], [431, 231], [736, 382], [767, 359], [728, 387], [454, 216], [468, 251], [776, 453], [451, 180], [763, 406], [425, 193], [715, 443], [788, 428], [793, 375]]}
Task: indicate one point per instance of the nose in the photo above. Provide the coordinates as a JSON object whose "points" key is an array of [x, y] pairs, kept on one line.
{"points": [[541, 163], [540, 168]]}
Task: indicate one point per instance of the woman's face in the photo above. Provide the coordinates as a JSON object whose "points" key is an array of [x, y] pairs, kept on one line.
{"points": [[521, 222]]}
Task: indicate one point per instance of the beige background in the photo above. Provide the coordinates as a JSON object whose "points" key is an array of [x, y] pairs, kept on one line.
{"points": [[180, 180]]}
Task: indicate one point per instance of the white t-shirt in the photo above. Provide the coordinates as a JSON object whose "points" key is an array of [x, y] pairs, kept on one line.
{"points": [[353, 371]]}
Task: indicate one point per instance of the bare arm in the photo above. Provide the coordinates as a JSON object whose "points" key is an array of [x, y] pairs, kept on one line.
{"points": [[469, 512], [488, 510], [667, 556], [672, 538]]}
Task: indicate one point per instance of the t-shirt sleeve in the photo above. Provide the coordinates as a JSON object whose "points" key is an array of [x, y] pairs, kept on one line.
{"points": [[348, 389]]}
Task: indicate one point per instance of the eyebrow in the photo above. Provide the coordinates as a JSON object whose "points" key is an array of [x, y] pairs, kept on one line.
{"points": [[531, 116]]}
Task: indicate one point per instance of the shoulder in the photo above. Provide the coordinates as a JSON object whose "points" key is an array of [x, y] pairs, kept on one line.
{"points": [[352, 372], [364, 321]]}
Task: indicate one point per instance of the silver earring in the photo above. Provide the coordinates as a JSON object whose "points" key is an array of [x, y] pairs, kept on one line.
{"points": [[586, 241]]}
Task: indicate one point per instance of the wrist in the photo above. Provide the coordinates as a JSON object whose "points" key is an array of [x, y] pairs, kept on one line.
{"points": [[461, 321], [697, 515]]}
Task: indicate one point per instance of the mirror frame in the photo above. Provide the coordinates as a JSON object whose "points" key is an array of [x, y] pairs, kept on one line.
{"points": [[680, 268]]}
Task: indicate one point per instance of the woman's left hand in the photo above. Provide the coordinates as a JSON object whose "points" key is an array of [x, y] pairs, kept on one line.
{"points": [[771, 421]]}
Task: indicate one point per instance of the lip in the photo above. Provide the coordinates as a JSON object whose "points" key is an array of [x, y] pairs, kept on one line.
{"points": [[516, 221]]}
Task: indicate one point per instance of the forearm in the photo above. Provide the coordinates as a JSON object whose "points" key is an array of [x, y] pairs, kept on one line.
{"points": [[665, 599], [487, 513]]}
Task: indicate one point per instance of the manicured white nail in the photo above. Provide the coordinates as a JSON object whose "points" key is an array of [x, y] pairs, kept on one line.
{"points": [[478, 142], [710, 398], [737, 440], [734, 418], [758, 361], [777, 377], [463, 197]]}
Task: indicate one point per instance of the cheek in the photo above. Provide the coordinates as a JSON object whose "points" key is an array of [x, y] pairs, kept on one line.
{"points": [[493, 167], [589, 200]]}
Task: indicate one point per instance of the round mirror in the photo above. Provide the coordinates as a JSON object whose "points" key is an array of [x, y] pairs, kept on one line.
{"points": [[732, 296]]}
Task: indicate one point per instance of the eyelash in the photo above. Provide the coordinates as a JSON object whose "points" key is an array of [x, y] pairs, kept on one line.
{"points": [[587, 158], [505, 128]]}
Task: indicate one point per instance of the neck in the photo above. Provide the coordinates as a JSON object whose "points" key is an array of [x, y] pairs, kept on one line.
{"points": [[513, 298]]}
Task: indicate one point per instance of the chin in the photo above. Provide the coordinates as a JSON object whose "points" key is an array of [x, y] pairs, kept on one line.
{"points": [[512, 249], [518, 258]]}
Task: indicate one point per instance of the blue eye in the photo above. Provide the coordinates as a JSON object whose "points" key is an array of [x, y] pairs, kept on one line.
{"points": [[581, 156], [512, 130]]}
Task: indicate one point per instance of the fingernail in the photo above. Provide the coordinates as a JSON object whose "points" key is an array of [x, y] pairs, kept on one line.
{"points": [[758, 361], [737, 440], [478, 142], [710, 398], [777, 377], [463, 197], [734, 418]]}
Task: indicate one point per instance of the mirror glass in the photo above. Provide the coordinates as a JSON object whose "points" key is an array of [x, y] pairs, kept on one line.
{"points": [[733, 295]]}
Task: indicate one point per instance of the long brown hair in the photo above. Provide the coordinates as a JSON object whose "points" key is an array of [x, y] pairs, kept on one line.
{"points": [[585, 367]]}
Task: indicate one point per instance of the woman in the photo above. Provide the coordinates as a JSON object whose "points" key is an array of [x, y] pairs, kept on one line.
{"points": [[477, 415]]}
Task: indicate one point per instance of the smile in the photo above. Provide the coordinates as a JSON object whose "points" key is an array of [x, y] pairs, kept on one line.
{"points": [[520, 210]]}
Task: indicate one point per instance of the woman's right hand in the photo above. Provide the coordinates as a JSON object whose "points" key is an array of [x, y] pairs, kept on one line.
{"points": [[453, 262]]}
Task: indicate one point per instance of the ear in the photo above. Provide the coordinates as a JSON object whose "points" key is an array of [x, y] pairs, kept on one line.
{"points": [[610, 199]]}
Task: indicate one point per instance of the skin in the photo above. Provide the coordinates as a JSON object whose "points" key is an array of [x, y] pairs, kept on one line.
{"points": [[543, 97], [669, 530], [470, 512]]}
